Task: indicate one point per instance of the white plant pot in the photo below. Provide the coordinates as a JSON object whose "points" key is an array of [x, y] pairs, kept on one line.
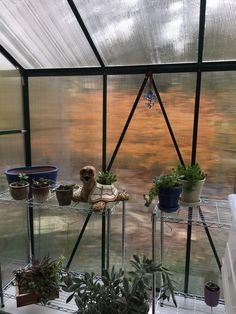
{"points": [[191, 195]]}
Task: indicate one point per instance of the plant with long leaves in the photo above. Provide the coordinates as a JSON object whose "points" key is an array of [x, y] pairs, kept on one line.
{"points": [[116, 292], [42, 278]]}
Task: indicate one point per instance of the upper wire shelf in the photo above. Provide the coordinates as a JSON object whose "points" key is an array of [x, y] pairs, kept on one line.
{"points": [[213, 213], [51, 202]]}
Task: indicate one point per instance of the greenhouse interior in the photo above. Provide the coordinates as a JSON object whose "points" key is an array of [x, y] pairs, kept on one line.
{"points": [[129, 92]]}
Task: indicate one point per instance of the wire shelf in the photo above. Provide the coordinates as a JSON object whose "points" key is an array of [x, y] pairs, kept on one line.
{"points": [[83, 208], [212, 213]]}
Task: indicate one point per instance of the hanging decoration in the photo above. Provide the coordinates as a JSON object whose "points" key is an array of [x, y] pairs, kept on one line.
{"points": [[150, 97]]}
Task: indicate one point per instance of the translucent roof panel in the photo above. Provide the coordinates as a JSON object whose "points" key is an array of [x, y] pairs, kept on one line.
{"points": [[43, 34], [220, 26], [5, 64], [141, 31]]}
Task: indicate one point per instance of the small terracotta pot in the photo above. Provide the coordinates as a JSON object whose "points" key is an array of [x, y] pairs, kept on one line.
{"points": [[19, 192], [64, 197], [40, 194]]}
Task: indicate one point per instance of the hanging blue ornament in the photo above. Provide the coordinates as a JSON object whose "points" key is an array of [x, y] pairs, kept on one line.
{"points": [[151, 99]]}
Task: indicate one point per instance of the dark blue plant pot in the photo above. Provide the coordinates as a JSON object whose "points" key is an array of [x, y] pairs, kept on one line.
{"points": [[34, 172], [169, 199]]}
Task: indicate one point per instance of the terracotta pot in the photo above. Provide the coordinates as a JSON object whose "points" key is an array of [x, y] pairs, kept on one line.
{"points": [[40, 194], [64, 197], [191, 195], [19, 192]]}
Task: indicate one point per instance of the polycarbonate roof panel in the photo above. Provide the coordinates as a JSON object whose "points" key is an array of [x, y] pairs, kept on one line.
{"points": [[5, 64], [142, 31], [43, 34], [220, 30]]}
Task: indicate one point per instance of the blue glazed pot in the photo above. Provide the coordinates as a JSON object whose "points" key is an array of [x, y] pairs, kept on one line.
{"points": [[169, 199], [33, 172]]}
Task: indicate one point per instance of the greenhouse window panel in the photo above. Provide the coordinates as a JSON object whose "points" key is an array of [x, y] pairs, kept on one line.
{"points": [[44, 34], [142, 32], [220, 36]]}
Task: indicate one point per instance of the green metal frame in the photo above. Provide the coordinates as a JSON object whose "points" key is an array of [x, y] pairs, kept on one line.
{"points": [[197, 67]]}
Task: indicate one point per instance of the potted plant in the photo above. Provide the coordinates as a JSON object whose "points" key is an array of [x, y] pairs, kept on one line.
{"points": [[40, 189], [167, 188], [64, 193], [106, 178], [116, 292], [104, 188], [192, 179], [211, 293], [19, 190], [38, 283]]}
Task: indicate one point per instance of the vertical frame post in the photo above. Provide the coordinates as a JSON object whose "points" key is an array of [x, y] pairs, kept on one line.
{"points": [[154, 248], [104, 124], [123, 237], [202, 17], [26, 120], [28, 159], [103, 263]]}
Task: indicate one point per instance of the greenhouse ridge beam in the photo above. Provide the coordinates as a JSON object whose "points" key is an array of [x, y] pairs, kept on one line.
{"points": [[136, 69], [85, 31]]}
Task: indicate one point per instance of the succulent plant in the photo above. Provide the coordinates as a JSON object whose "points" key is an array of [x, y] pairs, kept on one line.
{"points": [[106, 178]]}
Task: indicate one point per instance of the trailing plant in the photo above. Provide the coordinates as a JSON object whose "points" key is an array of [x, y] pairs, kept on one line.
{"points": [[22, 180], [116, 292], [106, 178], [164, 181], [191, 173], [42, 278], [41, 182]]}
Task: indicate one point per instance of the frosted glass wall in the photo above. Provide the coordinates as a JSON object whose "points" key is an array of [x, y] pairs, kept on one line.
{"points": [[11, 118], [13, 222], [66, 123], [217, 129]]}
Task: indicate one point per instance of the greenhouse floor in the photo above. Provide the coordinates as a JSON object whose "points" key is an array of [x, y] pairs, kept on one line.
{"points": [[59, 306]]}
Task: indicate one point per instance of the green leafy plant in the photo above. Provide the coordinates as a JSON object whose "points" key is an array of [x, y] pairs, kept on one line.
{"points": [[106, 178], [116, 292], [42, 278], [191, 173], [164, 181], [210, 285], [22, 180], [41, 182], [65, 187]]}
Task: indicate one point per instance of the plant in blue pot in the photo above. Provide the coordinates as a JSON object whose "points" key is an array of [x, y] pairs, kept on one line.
{"points": [[168, 189]]}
